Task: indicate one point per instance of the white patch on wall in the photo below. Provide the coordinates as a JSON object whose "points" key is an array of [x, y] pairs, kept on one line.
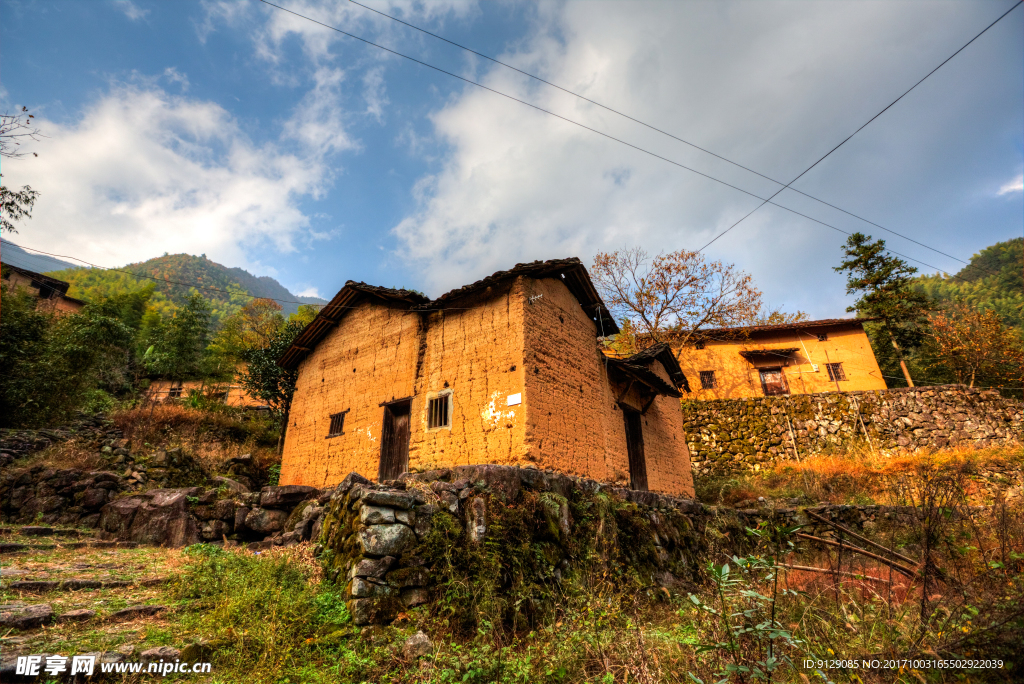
{"points": [[493, 416], [515, 399]]}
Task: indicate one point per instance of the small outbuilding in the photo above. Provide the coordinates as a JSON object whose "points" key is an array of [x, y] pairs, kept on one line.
{"points": [[509, 370]]}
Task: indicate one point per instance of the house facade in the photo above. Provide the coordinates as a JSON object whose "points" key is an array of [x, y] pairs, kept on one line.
{"points": [[767, 360], [50, 293], [507, 370]]}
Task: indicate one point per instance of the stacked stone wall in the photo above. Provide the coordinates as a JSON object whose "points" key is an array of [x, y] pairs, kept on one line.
{"points": [[390, 544], [742, 435]]}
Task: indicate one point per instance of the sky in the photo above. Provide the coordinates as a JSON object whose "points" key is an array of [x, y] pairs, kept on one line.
{"points": [[266, 141]]}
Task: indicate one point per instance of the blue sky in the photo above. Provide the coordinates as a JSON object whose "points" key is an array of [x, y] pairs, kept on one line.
{"points": [[267, 142]]}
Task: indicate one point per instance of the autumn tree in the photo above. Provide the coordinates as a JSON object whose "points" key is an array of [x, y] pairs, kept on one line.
{"points": [[673, 295], [885, 283], [976, 345]]}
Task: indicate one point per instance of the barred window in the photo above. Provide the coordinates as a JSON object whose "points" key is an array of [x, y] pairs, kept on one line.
{"points": [[822, 337], [835, 371], [337, 424], [438, 411], [707, 380], [698, 345], [175, 391]]}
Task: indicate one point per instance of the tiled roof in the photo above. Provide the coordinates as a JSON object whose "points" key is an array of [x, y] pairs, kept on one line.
{"points": [[570, 271], [800, 325]]}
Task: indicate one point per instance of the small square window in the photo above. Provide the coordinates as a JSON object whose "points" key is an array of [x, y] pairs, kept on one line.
{"points": [[337, 424], [438, 411], [698, 345], [822, 337], [708, 380], [175, 391], [835, 371]]}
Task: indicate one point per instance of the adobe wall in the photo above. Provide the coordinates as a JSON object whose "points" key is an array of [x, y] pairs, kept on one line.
{"points": [[378, 354], [730, 436], [573, 422], [738, 378]]}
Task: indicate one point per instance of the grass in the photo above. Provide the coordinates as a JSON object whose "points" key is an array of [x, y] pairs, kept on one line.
{"points": [[272, 617], [212, 436], [859, 476]]}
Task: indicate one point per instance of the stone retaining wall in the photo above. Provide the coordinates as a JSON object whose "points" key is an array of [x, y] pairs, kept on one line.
{"points": [[386, 543], [736, 435]]}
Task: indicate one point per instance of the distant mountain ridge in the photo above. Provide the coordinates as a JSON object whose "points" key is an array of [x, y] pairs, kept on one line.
{"points": [[173, 277]]}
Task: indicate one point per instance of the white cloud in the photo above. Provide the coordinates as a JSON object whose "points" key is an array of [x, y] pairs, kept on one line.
{"points": [[1016, 185], [773, 86], [131, 10], [309, 292], [144, 172]]}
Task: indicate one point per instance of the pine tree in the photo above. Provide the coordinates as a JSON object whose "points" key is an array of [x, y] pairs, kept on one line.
{"points": [[887, 296]]}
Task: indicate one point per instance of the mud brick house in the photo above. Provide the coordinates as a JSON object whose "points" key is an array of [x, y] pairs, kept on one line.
{"points": [[508, 370], [794, 358], [50, 293]]}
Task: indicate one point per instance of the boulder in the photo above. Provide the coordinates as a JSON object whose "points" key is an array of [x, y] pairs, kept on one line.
{"points": [[265, 520], [376, 515], [224, 510], [373, 567], [117, 516], [374, 611], [477, 523], [25, 617], [161, 653], [386, 540], [92, 499], [286, 496], [215, 529], [393, 499], [417, 645], [165, 520]]}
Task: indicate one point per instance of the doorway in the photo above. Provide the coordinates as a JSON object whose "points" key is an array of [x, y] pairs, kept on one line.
{"points": [[635, 449], [773, 382], [394, 442]]}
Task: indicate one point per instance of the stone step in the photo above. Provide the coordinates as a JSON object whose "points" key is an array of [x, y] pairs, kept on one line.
{"points": [[38, 586], [25, 617]]}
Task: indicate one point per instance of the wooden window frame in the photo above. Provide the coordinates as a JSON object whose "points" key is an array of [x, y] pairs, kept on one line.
{"points": [[434, 411], [836, 372], [340, 419], [708, 380]]}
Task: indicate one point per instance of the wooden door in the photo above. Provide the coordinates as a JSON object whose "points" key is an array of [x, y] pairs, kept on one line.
{"points": [[773, 382], [635, 449], [394, 442]]}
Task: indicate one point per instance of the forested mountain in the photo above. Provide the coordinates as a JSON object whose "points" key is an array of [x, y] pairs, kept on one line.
{"points": [[993, 280], [173, 277]]}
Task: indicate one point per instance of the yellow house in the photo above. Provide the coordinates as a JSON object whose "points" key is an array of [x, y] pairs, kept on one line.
{"points": [[767, 360]]}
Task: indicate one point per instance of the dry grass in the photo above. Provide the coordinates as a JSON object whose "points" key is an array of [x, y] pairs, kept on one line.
{"points": [[860, 476], [211, 436], [75, 453]]}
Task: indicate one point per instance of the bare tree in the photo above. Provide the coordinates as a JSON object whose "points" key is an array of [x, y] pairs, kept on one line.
{"points": [[16, 204], [15, 129], [672, 296]]}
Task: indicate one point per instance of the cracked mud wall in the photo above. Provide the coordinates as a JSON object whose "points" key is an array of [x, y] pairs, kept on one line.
{"points": [[573, 422], [378, 354]]}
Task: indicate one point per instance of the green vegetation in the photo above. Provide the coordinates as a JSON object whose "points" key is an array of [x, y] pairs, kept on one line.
{"points": [[934, 330], [994, 280], [174, 279]]}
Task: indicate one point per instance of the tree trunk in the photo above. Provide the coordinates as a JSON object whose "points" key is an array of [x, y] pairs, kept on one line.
{"points": [[284, 429], [903, 363]]}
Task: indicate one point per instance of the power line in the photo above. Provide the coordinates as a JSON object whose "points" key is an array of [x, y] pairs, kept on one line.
{"points": [[675, 137], [641, 149], [866, 124]]}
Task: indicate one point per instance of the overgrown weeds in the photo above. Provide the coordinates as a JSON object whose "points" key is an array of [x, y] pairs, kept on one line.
{"points": [[858, 475]]}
